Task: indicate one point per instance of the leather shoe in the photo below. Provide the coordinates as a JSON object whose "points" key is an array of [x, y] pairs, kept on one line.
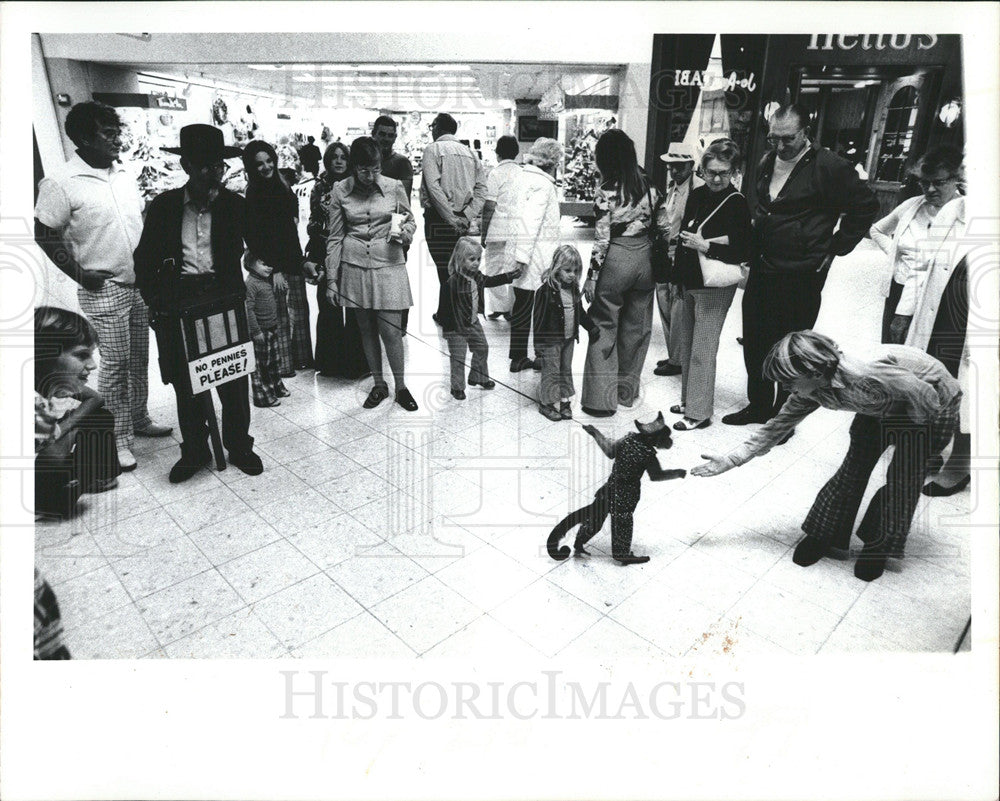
{"points": [[184, 469], [746, 416], [550, 412], [524, 363], [667, 369], [936, 490], [248, 462], [458, 394], [631, 559], [154, 430], [536, 364], [375, 397], [809, 552], [565, 410], [487, 384], [870, 564], [126, 460], [494, 315], [687, 424], [405, 399]]}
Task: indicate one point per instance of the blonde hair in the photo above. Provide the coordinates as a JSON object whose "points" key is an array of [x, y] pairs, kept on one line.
{"points": [[802, 354], [565, 256], [467, 245]]}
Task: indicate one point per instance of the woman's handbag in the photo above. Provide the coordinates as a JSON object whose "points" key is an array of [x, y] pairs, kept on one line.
{"points": [[660, 261], [714, 272]]}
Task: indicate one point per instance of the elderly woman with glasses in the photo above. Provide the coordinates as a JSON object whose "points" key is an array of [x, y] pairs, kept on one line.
{"points": [[928, 300], [716, 223], [370, 224], [914, 231]]}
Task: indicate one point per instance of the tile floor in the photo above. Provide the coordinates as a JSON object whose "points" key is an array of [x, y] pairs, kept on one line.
{"points": [[385, 534]]}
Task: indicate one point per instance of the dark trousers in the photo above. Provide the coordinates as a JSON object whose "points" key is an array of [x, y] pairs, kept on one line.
{"points": [[338, 339], [94, 460], [235, 398], [520, 323], [441, 239], [889, 310], [775, 305]]}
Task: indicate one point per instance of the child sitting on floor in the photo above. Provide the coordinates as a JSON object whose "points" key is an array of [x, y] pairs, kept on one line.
{"points": [[262, 316], [556, 319], [459, 316], [75, 449]]}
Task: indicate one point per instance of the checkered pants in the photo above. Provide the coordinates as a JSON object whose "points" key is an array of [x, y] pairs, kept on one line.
{"points": [[121, 321], [265, 379], [294, 338], [886, 523]]}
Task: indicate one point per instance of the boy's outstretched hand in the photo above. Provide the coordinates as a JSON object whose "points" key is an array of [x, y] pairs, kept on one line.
{"points": [[716, 464]]}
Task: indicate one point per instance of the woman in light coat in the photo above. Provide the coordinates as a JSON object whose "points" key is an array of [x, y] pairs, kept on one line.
{"points": [[933, 303], [914, 232], [535, 228]]}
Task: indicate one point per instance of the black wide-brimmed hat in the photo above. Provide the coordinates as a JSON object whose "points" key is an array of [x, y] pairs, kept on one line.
{"points": [[652, 427], [203, 144]]}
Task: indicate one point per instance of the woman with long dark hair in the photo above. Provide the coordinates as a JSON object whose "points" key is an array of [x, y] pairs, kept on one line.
{"points": [[273, 237], [620, 282], [370, 225], [338, 338]]}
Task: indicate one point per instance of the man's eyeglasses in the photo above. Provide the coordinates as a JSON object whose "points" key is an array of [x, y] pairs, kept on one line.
{"points": [[369, 171], [784, 140]]}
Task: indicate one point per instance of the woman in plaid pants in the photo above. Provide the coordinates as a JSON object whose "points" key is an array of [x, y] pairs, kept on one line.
{"points": [[905, 398]]}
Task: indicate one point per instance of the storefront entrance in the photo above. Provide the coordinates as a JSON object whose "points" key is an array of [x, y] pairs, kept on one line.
{"points": [[878, 119]]}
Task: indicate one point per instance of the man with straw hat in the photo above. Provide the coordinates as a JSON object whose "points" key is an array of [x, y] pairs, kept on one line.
{"points": [[680, 159]]}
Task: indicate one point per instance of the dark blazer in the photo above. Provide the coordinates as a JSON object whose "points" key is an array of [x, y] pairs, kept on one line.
{"points": [[459, 301], [548, 321], [794, 231], [156, 278]]}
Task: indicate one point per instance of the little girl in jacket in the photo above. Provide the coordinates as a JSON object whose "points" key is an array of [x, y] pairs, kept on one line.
{"points": [[459, 315], [558, 313]]}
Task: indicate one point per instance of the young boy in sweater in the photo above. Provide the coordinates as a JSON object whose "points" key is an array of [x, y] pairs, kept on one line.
{"points": [[262, 315]]}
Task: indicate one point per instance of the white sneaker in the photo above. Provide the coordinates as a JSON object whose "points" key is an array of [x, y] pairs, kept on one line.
{"points": [[126, 460]]}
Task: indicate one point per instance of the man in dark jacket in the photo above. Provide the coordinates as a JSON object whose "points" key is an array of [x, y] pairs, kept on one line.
{"points": [[310, 157], [802, 193], [191, 246]]}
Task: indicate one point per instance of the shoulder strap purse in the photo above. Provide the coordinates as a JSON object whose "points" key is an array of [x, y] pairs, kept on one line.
{"points": [[715, 272]]}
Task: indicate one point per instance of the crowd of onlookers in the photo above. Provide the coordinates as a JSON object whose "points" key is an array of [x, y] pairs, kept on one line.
{"points": [[495, 243]]}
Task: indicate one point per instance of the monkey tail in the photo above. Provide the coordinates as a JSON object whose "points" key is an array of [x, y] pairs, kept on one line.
{"points": [[567, 523]]}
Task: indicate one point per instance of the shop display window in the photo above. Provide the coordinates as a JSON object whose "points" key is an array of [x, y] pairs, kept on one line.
{"points": [[898, 134]]}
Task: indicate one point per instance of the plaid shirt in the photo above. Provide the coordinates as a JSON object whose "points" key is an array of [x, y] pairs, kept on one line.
{"points": [[904, 383]]}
